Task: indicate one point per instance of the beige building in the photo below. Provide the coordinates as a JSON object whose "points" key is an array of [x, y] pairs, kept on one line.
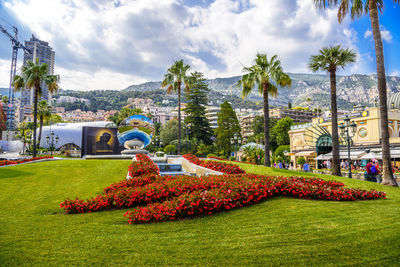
{"points": [[245, 125], [297, 115], [312, 139]]}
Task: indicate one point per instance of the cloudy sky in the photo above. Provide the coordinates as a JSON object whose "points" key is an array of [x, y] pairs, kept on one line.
{"points": [[111, 44]]}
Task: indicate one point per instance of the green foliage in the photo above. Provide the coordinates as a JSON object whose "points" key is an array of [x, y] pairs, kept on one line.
{"points": [[54, 118], [32, 76], [170, 149], [157, 128], [279, 159], [301, 160], [228, 126], [124, 113], [197, 123], [3, 118], [281, 131], [186, 145], [169, 132], [232, 158], [5, 99], [331, 58], [212, 155], [280, 151], [257, 125], [253, 154]]}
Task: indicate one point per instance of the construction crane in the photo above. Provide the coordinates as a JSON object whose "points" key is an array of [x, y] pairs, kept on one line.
{"points": [[15, 46]]}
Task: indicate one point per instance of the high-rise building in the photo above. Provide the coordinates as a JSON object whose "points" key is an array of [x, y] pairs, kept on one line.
{"points": [[45, 54]]}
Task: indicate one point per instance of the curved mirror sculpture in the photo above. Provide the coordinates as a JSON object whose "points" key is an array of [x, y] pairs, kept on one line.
{"points": [[135, 132]]}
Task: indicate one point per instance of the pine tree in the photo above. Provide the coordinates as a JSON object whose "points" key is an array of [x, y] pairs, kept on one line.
{"points": [[228, 126], [196, 121]]}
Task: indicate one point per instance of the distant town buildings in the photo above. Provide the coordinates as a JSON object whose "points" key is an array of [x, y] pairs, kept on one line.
{"points": [[72, 99], [296, 114], [212, 115]]}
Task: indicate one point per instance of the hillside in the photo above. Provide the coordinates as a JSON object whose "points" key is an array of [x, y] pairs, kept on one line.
{"points": [[353, 89]]}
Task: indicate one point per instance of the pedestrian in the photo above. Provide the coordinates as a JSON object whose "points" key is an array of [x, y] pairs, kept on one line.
{"points": [[280, 165], [306, 167]]}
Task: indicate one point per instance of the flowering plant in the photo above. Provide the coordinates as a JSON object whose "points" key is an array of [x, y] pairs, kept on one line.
{"points": [[214, 165], [168, 198], [13, 162]]}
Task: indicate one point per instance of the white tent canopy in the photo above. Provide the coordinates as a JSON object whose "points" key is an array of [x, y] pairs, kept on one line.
{"points": [[372, 155], [354, 155]]}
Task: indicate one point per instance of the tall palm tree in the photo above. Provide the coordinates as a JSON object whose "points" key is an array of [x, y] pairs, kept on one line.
{"points": [[32, 76], [268, 75], [44, 112], [174, 77], [330, 59], [358, 8]]}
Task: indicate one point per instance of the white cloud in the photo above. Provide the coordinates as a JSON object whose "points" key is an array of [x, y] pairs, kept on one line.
{"points": [[4, 73], [395, 73], [104, 45], [385, 35]]}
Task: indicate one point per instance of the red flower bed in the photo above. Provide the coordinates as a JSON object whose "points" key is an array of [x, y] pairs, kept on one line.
{"points": [[243, 190], [143, 165], [13, 162], [214, 165], [169, 198]]}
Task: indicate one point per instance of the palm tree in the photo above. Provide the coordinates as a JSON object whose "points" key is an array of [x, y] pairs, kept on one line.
{"points": [[44, 112], [267, 75], [330, 59], [174, 77], [32, 77], [357, 9]]}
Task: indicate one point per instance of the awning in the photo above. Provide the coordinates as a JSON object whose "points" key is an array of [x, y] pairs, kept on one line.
{"points": [[372, 155], [323, 157], [354, 155]]}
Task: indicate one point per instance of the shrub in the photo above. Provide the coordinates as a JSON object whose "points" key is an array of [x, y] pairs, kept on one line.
{"points": [[232, 158], [212, 156], [169, 149], [301, 160]]}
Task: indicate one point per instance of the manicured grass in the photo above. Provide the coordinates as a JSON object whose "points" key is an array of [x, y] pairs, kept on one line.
{"points": [[280, 231]]}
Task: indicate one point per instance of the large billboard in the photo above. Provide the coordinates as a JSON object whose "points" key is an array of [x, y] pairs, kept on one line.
{"points": [[100, 141]]}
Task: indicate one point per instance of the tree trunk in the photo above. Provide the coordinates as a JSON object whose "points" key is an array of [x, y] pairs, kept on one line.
{"points": [[335, 134], [40, 130], [35, 104], [267, 161], [179, 118], [387, 175]]}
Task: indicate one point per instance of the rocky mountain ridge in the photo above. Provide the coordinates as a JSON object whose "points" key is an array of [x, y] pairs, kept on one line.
{"points": [[306, 90]]}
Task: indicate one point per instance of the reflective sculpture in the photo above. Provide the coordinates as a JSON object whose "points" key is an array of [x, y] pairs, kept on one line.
{"points": [[135, 132]]}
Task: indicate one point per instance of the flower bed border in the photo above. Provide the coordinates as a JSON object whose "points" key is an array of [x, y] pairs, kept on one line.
{"points": [[4, 163]]}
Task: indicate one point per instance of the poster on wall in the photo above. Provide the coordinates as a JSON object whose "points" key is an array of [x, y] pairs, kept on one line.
{"points": [[100, 141]]}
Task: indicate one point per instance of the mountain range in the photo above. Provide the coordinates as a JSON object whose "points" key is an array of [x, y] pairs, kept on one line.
{"points": [[306, 90]]}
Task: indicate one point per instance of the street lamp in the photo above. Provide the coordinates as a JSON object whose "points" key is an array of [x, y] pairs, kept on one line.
{"points": [[51, 141], [345, 134], [235, 140]]}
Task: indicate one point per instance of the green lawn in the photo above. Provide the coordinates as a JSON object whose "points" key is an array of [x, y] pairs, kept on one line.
{"points": [[280, 231]]}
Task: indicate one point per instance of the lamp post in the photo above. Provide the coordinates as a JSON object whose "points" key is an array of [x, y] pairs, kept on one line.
{"points": [[236, 139], [345, 133], [51, 141], [23, 138]]}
